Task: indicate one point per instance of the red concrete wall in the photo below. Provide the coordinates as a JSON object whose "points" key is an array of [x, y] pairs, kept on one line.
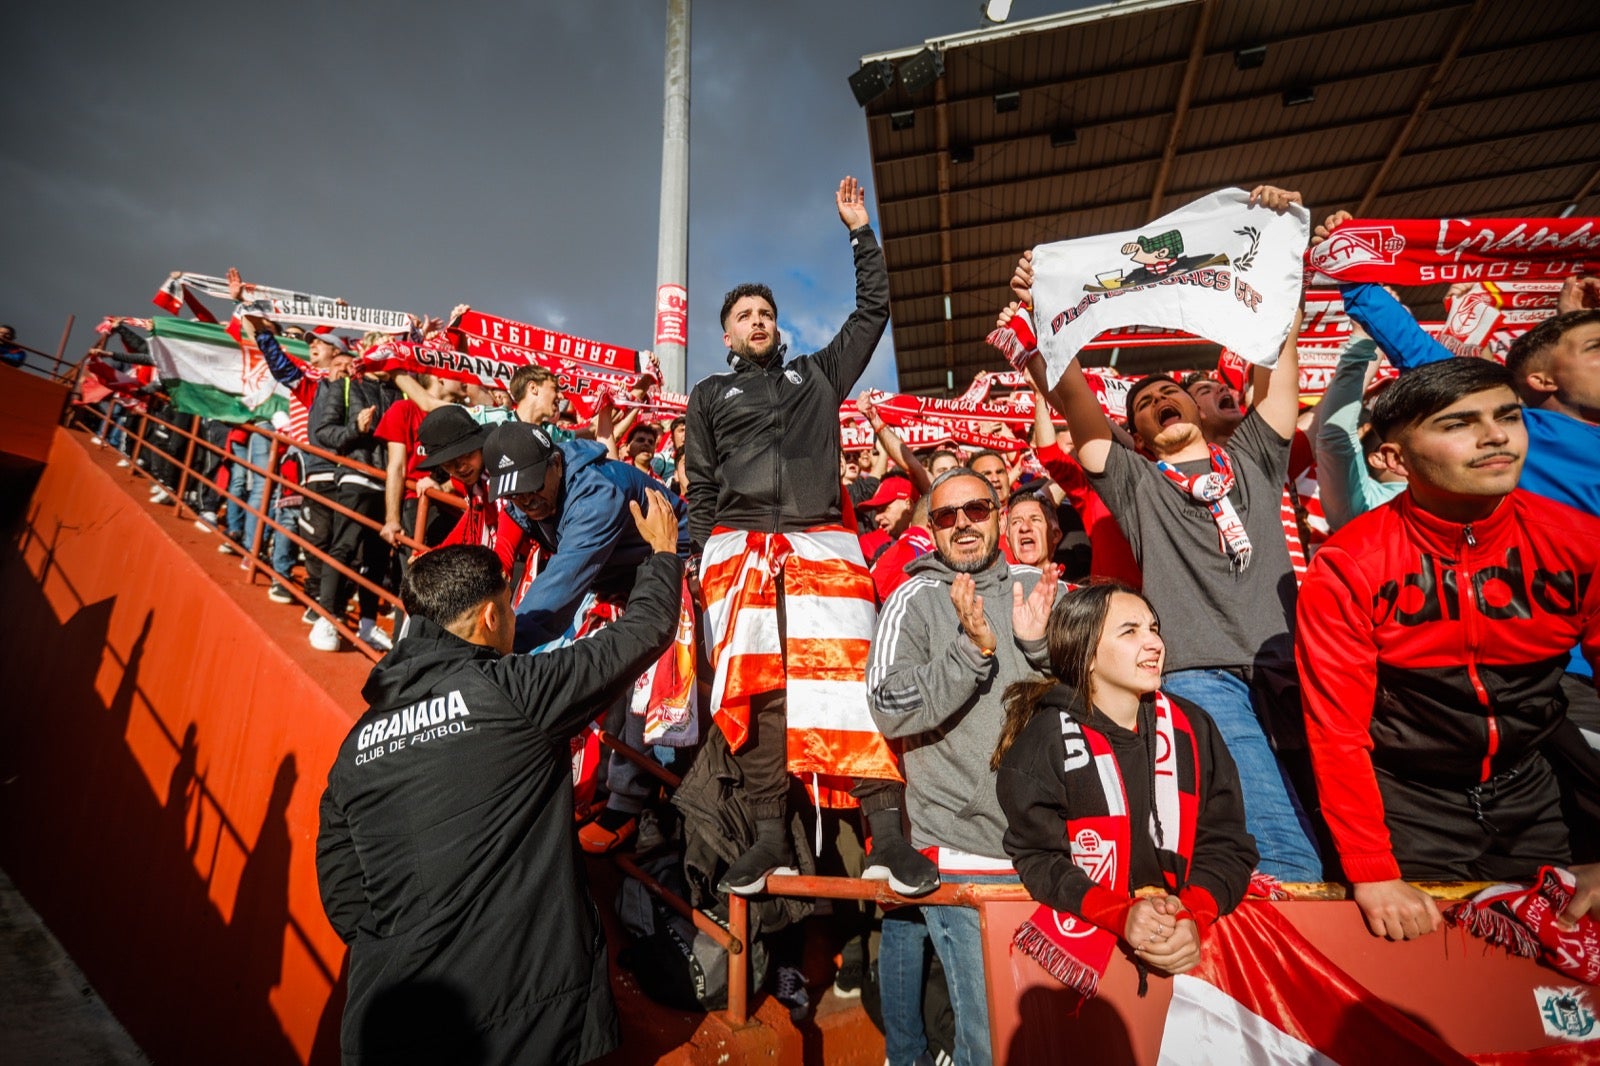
{"points": [[30, 407], [162, 763]]}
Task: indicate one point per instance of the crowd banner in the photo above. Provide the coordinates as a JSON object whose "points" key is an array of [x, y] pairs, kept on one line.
{"points": [[1427, 251], [280, 305], [1217, 268], [1486, 317], [203, 369], [506, 340]]}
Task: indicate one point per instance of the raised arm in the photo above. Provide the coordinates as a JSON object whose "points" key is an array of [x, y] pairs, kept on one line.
{"points": [[1277, 399], [894, 447], [846, 356]]}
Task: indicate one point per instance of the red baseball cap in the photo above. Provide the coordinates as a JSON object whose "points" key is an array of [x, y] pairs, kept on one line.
{"points": [[890, 489]]}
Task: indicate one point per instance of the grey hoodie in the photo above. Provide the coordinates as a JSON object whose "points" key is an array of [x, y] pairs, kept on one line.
{"points": [[931, 688]]}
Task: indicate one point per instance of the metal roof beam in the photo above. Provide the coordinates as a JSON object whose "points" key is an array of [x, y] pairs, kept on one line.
{"points": [[1430, 91], [1558, 127], [1242, 98], [1180, 110]]}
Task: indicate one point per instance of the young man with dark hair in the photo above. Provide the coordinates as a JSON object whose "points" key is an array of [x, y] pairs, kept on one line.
{"points": [[1205, 524], [1433, 635], [762, 445], [446, 857]]}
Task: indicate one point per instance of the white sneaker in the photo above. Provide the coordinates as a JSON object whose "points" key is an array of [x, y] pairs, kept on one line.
{"points": [[226, 548], [155, 487], [324, 637], [123, 461], [161, 495], [373, 637]]}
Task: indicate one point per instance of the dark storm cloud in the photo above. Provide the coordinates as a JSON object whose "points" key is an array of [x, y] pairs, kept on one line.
{"points": [[415, 155]]}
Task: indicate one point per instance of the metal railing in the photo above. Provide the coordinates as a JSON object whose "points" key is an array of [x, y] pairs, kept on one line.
{"points": [[188, 476]]}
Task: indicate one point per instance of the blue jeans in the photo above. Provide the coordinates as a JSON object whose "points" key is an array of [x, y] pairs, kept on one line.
{"points": [[902, 966], [248, 485], [284, 550], [957, 938], [1272, 812]]}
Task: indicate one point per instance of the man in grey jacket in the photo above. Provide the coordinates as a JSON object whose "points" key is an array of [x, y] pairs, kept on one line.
{"points": [[963, 627]]}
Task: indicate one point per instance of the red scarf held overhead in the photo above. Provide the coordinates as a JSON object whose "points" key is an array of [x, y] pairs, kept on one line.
{"points": [[1070, 948], [1212, 489], [1426, 251]]}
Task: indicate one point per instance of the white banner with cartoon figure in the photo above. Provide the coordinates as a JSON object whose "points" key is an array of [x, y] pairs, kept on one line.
{"points": [[1217, 268]]}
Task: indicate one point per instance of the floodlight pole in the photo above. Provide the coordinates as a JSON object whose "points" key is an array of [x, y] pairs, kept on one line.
{"points": [[672, 248]]}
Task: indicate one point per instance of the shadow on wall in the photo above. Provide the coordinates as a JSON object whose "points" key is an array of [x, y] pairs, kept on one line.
{"points": [[125, 874]]}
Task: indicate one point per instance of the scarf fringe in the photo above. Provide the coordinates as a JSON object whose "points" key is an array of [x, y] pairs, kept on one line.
{"points": [[1011, 346], [1057, 962], [1490, 925]]}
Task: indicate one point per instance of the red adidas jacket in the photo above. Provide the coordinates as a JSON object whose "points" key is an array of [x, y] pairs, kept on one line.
{"points": [[1435, 650]]}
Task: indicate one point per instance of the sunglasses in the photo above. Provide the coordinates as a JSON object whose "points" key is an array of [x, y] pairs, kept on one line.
{"points": [[975, 510]]}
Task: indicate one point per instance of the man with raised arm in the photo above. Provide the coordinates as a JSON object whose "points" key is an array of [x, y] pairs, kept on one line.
{"points": [[1433, 635], [446, 857], [1216, 570], [789, 601]]}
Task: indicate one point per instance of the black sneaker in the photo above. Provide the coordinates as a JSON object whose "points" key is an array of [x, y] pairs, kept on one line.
{"points": [[847, 981], [908, 871], [278, 594], [769, 855], [792, 993], [310, 617]]}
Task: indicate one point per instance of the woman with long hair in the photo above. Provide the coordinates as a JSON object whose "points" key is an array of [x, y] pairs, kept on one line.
{"points": [[1110, 786]]}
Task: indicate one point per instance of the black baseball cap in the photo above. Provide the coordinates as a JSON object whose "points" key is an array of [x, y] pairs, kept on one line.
{"points": [[448, 433], [515, 458]]}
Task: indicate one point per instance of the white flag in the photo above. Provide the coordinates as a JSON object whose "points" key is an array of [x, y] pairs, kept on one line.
{"points": [[1217, 268]]}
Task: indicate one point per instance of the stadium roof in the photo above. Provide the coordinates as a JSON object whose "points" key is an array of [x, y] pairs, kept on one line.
{"points": [[1418, 108]]}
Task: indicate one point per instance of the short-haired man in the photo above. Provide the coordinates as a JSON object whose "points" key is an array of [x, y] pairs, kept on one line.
{"points": [[1033, 532], [992, 467], [891, 505], [1205, 523], [1433, 635], [536, 398], [963, 627], [445, 856], [789, 600], [889, 569]]}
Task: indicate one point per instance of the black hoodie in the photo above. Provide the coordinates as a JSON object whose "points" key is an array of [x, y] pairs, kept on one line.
{"points": [[447, 857]]}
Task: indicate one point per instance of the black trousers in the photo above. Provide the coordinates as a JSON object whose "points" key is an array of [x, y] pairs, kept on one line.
{"points": [[316, 525], [764, 759], [358, 547], [1502, 830]]}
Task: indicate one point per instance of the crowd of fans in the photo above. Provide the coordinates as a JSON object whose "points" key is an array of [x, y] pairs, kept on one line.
{"points": [[1385, 679]]}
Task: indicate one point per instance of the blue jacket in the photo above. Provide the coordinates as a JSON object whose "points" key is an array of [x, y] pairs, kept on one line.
{"points": [[1561, 449], [590, 538]]}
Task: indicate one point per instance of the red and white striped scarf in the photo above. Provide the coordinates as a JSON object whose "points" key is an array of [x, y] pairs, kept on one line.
{"points": [[821, 660]]}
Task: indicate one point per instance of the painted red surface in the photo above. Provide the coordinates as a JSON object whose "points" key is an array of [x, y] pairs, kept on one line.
{"points": [[30, 407], [163, 760]]}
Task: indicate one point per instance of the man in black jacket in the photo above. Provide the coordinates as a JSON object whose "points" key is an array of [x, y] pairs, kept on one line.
{"points": [[343, 416], [447, 858], [762, 459]]}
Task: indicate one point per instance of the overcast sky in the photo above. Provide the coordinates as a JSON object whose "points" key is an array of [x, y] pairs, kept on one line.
{"points": [[410, 156]]}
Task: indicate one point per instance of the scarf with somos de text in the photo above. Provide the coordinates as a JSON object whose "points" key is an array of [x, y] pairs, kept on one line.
{"points": [[1211, 489], [1072, 949]]}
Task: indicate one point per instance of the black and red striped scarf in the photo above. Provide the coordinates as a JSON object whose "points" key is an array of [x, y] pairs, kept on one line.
{"points": [[1070, 948]]}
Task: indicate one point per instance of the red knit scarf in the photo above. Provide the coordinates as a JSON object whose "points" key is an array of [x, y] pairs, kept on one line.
{"points": [[1211, 489]]}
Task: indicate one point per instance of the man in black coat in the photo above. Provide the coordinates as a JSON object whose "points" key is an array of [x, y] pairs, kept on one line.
{"points": [[447, 858]]}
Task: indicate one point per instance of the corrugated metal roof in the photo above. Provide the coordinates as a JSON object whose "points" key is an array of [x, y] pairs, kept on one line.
{"points": [[1423, 108]]}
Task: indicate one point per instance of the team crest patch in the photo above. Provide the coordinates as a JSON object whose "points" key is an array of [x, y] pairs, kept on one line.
{"points": [[1095, 856], [1357, 246], [1566, 1013], [793, 376]]}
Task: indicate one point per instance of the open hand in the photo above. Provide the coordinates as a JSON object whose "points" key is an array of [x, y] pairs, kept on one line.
{"points": [[659, 527], [1022, 281], [969, 609], [1030, 613], [852, 204], [1578, 294], [235, 285]]}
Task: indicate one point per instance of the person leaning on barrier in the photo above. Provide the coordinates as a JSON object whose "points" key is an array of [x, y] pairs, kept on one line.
{"points": [[1433, 635], [446, 857]]}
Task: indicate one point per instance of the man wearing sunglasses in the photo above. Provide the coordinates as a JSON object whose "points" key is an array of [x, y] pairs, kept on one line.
{"points": [[965, 625]]}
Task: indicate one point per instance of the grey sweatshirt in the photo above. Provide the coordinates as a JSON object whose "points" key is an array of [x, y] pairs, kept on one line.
{"points": [[930, 688]]}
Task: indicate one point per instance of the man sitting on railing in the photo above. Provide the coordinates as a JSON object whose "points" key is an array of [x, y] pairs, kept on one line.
{"points": [[445, 857]]}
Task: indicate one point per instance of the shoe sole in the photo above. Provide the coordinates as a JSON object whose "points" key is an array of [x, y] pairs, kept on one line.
{"points": [[881, 873], [759, 885]]}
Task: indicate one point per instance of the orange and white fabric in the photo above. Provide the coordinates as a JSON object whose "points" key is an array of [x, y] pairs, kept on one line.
{"points": [[829, 616]]}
